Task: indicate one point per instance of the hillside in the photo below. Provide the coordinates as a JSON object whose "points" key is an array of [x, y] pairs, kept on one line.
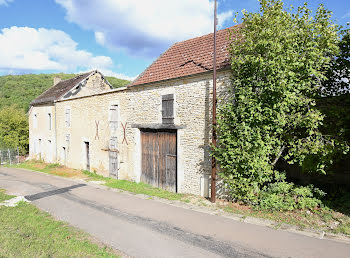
{"points": [[20, 90]]}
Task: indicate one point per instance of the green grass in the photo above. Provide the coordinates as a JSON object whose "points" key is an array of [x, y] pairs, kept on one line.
{"points": [[25, 231], [324, 219], [137, 188], [4, 197]]}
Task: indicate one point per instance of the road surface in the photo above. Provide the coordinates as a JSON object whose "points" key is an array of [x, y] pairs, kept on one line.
{"points": [[149, 228]]}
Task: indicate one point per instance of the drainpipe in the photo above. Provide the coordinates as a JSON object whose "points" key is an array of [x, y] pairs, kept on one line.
{"points": [[213, 163]]}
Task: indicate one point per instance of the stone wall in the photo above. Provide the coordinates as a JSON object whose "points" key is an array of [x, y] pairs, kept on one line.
{"points": [[141, 105], [42, 142]]}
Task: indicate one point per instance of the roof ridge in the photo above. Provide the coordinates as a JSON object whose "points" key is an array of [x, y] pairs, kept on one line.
{"points": [[79, 74], [191, 56], [42, 98]]}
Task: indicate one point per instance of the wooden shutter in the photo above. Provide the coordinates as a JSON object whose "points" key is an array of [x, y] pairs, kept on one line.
{"points": [[168, 109], [113, 116], [68, 117]]}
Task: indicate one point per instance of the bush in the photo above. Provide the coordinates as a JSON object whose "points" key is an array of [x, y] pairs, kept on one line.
{"points": [[287, 196]]}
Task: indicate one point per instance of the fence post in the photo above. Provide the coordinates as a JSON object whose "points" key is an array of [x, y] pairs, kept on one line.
{"points": [[0, 157], [17, 156], [9, 154]]}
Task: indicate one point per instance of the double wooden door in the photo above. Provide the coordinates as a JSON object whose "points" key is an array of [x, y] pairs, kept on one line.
{"points": [[159, 158]]}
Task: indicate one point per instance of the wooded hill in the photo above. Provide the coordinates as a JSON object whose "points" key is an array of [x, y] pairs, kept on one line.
{"points": [[20, 90]]}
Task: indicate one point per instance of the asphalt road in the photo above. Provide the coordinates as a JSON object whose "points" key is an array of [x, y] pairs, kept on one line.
{"points": [[149, 228]]}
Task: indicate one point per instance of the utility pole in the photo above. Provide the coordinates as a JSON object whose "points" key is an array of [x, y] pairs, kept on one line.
{"points": [[213, 161]]}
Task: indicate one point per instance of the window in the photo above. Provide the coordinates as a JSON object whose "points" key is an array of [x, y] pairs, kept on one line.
{"points": [[67, 117], [168, 109], [50, 122], [113, 143], [67, 139], [35, 120], [113, 119]]}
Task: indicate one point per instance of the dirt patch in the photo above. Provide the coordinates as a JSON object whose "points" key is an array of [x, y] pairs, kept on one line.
{"points": [[38, 165], [67, 172]]}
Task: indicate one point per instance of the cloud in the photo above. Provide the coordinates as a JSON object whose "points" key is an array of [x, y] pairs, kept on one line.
{"points": [[346, 15], [5, 2], [107, 72], [143, 27], [29, 49]]}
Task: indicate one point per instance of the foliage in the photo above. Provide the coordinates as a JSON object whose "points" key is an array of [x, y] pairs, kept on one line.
{"points": [[287, 196], [116, 82], [14, 130], [20, 90], [279, 58], [338, 76]]}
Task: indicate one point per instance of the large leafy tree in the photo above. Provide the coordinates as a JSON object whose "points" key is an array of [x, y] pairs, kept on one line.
{"points": [[14, 130], [279, 58]]}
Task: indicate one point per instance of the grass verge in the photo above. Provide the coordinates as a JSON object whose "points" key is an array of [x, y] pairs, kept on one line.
{"points": [[137, 188], [25, 231], [325, 219], [3, 196]]}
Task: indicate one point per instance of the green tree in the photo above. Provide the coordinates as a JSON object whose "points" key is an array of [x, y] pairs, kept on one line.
{"points": [[14, 130], [338, 75], [278, 57]]}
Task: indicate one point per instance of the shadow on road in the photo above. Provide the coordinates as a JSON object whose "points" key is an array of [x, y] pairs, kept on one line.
{"points": [[37, 196]]}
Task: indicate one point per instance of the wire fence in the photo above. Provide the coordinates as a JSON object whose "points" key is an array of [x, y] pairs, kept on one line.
{"points": [[10, 156]]}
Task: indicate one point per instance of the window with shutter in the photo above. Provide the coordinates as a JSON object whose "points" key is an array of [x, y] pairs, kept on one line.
{"points": [[67, 117], [67, 139], [113, 143], [113, 117], [168, 109]]}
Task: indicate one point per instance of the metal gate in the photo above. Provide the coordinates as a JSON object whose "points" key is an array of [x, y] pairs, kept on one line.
{"points": [[159, 155]]}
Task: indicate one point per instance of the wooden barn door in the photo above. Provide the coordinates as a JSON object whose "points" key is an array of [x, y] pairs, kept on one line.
{"points": [[159, 159]]}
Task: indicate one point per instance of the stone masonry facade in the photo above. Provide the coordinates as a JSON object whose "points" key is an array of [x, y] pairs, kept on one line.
{"points": [[90, 122]]}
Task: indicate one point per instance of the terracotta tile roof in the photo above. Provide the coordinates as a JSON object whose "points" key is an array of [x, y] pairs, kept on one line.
{"points": [[59, 89], [187, 58]]}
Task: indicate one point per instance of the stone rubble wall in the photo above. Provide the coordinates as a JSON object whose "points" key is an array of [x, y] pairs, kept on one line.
{"points": [[142, 105]]}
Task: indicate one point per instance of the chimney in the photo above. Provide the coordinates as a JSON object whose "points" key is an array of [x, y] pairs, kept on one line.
{"points": [[56, 80]]}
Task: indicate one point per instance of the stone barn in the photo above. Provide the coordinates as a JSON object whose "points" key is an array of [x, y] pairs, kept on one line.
{"points": [[156, 130]]}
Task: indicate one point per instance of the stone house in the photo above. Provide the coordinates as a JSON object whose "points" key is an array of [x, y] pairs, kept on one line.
{"points": [[156, 130]]}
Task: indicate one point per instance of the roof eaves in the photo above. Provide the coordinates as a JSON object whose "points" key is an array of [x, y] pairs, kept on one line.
{"points": [[222, 68]]}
